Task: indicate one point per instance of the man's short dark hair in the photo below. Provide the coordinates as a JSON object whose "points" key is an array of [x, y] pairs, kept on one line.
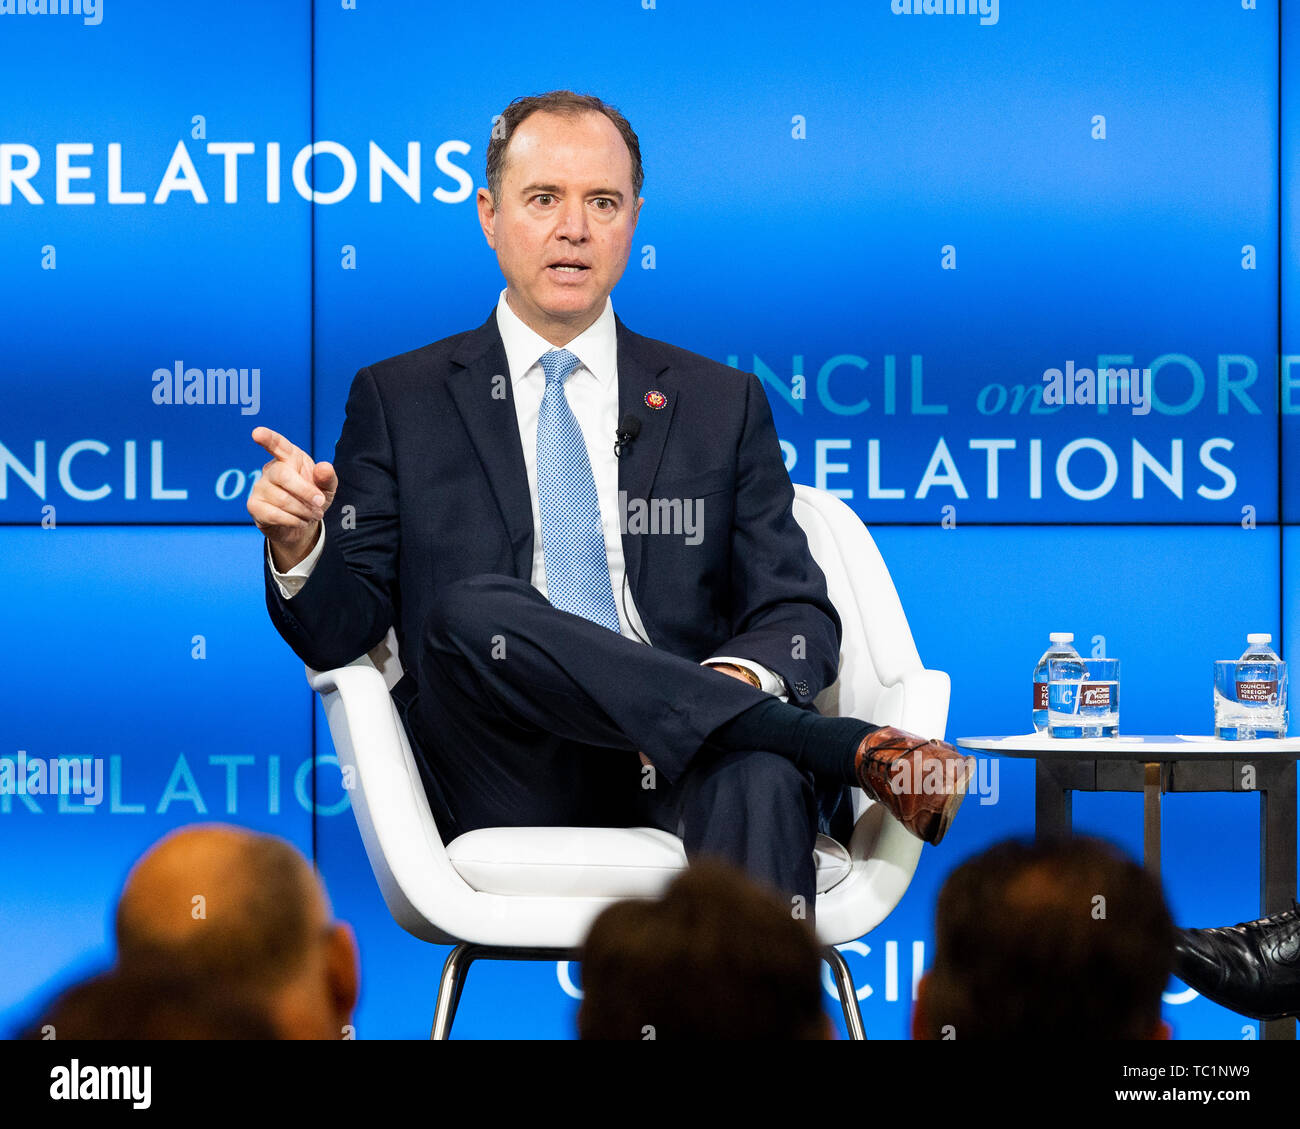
{"points": [[1067, 939], [564, 102], [717, 957]]}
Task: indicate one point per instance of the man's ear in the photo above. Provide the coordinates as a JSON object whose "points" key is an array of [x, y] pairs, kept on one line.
{"points": [[341, 964], [636, 215], [487, 216]]}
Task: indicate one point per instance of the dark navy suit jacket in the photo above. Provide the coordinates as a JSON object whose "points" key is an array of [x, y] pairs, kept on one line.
{"points": [[433, 488]]}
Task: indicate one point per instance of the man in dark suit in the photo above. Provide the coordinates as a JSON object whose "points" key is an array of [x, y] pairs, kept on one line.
{"points": [[584, 540]]}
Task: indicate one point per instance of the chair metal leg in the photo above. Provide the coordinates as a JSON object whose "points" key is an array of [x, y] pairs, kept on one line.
{"points": [[456, 970], [848, 993], [450, 987], [463, 955]]}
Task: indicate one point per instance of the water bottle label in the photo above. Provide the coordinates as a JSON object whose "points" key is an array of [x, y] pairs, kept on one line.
{"points": [[1257, 691], [1095, 696], [1040, 695]]}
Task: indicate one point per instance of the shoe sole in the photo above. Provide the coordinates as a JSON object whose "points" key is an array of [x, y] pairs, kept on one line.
{"points": [[939, 828]]}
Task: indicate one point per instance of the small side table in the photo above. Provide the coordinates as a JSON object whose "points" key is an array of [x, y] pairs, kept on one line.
{"points": [[1160, 764]]}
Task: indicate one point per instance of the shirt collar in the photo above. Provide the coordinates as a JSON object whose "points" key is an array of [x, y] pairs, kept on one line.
{"points": [[596, 346]]}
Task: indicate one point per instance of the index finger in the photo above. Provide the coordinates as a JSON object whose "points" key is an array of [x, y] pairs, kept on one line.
{"points": [[275, 444]]}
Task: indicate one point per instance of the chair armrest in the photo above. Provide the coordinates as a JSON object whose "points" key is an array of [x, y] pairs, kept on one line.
{"points": [[925, 702], [359, 678], [884, 855], [918, 703]]}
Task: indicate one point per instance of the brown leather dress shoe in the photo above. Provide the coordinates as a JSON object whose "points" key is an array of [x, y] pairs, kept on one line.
{"points": [[921, 781]]}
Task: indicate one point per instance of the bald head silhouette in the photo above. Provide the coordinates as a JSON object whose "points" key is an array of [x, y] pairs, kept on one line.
{"points": [[241, 912]]}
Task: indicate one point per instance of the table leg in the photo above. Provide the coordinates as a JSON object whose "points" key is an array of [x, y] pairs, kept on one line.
{"points": [[1053, 803], [1277, 857], [1152, 787]]}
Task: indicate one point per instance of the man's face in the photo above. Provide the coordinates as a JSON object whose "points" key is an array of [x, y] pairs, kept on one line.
{"points": [[562, 229]]}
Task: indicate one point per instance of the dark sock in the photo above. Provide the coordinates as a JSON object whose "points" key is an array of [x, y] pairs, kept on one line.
{"points": [[825, 746]]}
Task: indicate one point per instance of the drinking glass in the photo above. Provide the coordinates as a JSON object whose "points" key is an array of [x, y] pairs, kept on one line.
{"points": [[1083, 697]]}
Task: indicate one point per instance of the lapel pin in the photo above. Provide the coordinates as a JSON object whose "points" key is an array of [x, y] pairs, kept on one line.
{"points": [[655, 399]]}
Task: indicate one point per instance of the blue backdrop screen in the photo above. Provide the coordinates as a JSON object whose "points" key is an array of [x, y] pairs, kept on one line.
{"points": [[926, 233]]}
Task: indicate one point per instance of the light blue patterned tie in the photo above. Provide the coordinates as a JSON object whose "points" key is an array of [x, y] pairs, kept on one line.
{"points": [[573, 543]]}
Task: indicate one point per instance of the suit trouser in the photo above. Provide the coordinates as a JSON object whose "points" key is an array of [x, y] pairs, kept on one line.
{"points": [[531, 716]]}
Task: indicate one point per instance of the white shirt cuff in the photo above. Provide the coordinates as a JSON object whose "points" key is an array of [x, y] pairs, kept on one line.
{"points": [[290, 583], [768, 681]]}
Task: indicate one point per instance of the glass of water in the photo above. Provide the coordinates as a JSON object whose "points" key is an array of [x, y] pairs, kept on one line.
{"points": [[1246, 708], [1083, 697]]}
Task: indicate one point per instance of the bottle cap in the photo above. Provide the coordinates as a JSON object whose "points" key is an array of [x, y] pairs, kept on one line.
{"points": [[1062, 636], [1257, 638]]}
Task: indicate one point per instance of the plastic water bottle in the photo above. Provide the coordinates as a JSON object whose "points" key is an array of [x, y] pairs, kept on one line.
{"points": [[1259, 649], [1060, 647], [1259, 686]]}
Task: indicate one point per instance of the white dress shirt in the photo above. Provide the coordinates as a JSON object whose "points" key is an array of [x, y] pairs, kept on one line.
{"points": [[592, 392]]}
